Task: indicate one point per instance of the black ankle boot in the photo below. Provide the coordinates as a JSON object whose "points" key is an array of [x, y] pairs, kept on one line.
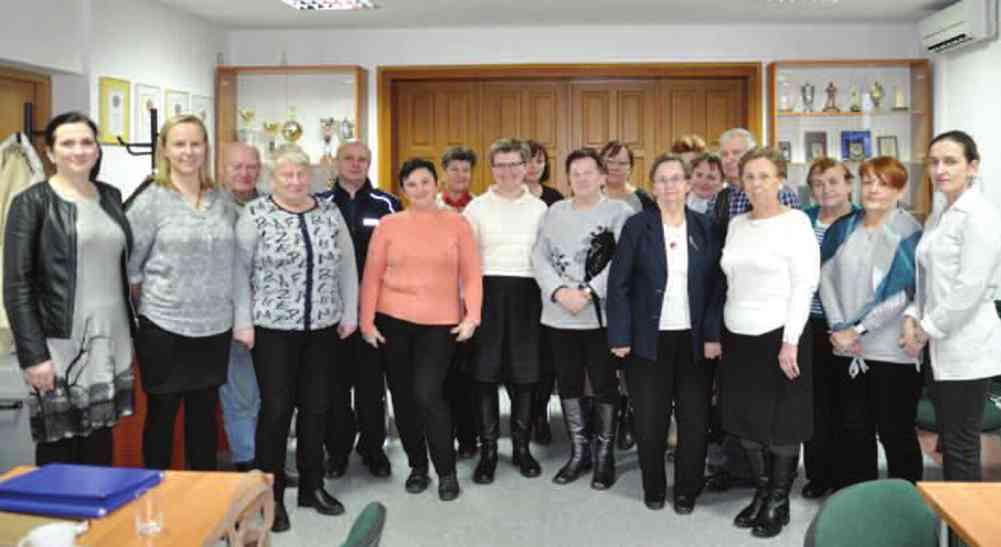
{"points": [[521, 415], [488, 415], [758, 461], [604, 466], [580, 447], [775, 513], [626, 418]]}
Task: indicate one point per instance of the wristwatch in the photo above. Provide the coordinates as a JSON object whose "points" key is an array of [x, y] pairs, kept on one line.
{"points": [[860, 329]]}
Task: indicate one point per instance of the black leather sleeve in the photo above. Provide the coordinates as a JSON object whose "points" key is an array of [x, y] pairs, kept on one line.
{"points": [[20, 278]]}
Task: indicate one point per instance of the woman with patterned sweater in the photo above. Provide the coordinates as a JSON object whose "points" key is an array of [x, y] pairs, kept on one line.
{"points": [[572, 282], [296, 293]]}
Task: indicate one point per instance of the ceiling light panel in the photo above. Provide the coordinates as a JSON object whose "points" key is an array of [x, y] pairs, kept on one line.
{"points": [[324, 5]]}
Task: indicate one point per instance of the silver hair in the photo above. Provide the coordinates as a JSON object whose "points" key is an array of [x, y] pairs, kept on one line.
{"points": [[291, 154], [735, 132]]}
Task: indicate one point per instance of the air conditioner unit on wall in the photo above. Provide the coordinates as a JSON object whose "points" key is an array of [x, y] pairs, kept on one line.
{"points": [[964, 23]]}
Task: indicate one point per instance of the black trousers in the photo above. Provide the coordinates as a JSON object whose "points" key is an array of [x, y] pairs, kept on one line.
{"points": [[683, 380], [417, 359], [201, 436], [292, 369], [959, 411], [460, 394], [580, 354], [882, 402], [359, 367], [94, 449], [819, 452]]}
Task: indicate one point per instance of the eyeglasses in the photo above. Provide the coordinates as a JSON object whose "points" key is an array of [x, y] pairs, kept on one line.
{"points": [[511, 165], [675, 180]]}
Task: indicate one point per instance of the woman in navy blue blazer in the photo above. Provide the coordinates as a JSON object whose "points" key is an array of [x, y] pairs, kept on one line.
{"points": [[665, 304]]}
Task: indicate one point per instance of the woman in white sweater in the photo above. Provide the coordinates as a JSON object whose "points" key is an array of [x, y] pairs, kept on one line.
{"points": [[953, 309], [772, 265], [505, 221]]}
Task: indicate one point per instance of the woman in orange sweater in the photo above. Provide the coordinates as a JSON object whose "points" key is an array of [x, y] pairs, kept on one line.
{"points": [[411, 310]]}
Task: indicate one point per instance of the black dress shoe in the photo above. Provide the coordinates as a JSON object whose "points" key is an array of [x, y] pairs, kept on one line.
{"points": [[418, 481], [319, 499], [334, 469], [655, 505], [684, 504], [378, 464], [815, 489], [448, 487], [281, 522]]}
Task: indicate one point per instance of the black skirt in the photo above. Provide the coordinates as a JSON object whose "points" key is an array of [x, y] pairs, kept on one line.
{"points": [[757, 401], [507, 341], [172, 363]]}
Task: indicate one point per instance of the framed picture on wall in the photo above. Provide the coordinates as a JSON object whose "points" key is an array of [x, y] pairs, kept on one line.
{"points": [[203, 107], [815, 144], [856, 145], [147, 98], [175, 103], [113, 109], [785, 147], [887, 146]]}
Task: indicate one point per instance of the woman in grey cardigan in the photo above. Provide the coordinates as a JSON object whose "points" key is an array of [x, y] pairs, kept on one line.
{"points": [[867, 280], [572, 280], [297, 293]]}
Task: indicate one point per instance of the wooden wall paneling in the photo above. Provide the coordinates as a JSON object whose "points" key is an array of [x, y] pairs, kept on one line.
{"points": [[705, 107], [17, 87], [635, 105], [545, 114]]}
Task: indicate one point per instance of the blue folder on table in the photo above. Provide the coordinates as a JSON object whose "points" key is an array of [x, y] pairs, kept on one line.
{"points": [[76, 491]]}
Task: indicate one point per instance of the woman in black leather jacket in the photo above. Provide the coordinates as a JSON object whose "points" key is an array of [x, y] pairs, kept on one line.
{"points": [[65, 248]]}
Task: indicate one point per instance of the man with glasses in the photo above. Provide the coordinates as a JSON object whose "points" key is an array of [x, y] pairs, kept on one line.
{"points": [[359, 367]]}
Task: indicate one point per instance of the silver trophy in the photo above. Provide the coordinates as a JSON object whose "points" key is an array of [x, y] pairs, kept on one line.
{"points": [[345, 130], [808, 92]]}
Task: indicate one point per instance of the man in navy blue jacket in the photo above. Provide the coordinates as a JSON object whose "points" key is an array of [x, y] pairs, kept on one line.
{"points": [[357, 364]]}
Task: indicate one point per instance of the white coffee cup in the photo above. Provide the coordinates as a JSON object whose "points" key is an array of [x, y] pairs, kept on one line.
{"points": [[55, 534]]}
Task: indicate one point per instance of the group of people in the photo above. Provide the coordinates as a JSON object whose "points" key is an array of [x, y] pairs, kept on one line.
{"points": [[806, 326]]}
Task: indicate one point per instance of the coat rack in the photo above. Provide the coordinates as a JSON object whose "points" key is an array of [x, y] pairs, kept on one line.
{"points": [[29, 123], [145, 148]]}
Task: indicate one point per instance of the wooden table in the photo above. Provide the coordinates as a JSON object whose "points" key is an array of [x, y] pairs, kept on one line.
{"points": [[194, 504], [971, 509]]}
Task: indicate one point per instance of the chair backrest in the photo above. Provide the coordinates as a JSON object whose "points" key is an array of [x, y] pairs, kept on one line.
{"points": [[367, 528], [888, 513], [250, 515]]}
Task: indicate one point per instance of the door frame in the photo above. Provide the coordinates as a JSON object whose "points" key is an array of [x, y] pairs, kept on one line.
{"points": [[751, 72], [42, 107]]}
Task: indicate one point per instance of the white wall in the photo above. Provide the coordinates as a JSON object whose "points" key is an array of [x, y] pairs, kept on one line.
{"points": [[968, 97], [371, 48], [144, 41], [59, 48]]}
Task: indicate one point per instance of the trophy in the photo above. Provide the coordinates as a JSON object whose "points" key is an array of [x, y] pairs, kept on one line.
{"points": [[328, 126], [808, 91], [832, 93], [246, 132], [785, 101], [291, 130], [855, 100], [271, 129], [899, 102], [876, 94]]}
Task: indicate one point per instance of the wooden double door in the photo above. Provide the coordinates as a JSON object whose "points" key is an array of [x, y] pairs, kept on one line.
{"points": [[563, 114]]}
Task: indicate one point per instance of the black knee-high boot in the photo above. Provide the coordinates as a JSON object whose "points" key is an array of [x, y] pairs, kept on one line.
{"points": [[541, 432], [757, 458], [489, 421], [521, 416], [580, 446], [775, 514], [604, 466]]}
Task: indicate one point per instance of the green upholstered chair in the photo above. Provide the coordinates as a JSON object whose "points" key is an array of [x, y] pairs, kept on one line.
{"points": [[888, 513], [367, 528], [992, 413]]}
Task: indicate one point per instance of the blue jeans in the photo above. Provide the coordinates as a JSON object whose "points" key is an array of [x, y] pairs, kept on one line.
{"points": [[241, 401]]}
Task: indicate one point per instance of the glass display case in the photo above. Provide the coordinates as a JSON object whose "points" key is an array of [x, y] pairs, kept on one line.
{"points": [[313, 107], [853, 111]]}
